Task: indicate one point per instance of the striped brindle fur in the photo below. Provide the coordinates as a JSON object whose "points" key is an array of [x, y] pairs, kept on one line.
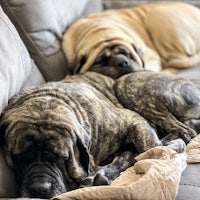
{"points": [[64, 135]]}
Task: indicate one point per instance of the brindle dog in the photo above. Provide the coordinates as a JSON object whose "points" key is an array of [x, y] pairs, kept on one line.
{"points": [[170, 103], [63, 135]]}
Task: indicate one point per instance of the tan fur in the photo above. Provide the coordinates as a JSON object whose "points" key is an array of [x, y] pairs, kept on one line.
{"points": [[167, 33]]}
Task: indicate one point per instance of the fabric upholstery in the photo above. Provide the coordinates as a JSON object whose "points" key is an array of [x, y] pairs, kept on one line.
{"points": [[192, 73], [16, 68], [41, 25], [189, 187], [15, 62]]}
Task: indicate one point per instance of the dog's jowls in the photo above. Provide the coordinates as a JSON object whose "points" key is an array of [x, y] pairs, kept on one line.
{"points": [[166, 34]]}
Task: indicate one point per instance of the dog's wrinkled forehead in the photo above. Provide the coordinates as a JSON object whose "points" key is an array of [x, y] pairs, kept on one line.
{"points": [[37, 121], [109, 52]]}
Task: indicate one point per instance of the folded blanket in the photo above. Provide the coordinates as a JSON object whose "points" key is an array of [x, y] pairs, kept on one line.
{"points": [[156, 175], [193, 150]]}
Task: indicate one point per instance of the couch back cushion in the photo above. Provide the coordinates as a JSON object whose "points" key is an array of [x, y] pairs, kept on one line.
{"points": [[15, 62], [41, 25]]}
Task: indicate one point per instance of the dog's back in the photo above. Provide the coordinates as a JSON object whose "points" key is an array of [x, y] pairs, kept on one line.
{"points": [[169, 102]]}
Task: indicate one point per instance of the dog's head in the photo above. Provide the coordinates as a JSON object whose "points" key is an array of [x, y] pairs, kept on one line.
{"points": [[44, 144], [115, 61], [104, 44]]}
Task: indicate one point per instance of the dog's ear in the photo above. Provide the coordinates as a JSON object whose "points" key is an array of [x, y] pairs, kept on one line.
{"points": [[140, 54], [78, 164], [77, 68], [3, 127], [84, 158]]}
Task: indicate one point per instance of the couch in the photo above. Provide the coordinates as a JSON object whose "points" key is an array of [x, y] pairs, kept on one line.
{"points": [[30, 54]]}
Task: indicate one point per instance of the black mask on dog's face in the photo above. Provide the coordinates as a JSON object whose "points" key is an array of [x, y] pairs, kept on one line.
{"points": [[42, 173], [115, 62]]}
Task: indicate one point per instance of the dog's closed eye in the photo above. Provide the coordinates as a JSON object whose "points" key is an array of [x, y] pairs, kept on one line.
{"points": [[23, 159], [103, 59], [122, 51], [49, 156]]}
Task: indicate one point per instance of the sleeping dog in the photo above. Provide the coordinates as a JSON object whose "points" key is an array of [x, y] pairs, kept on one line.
{"points": [[117, 61], [64, 135], [162, 35], [170, 103]]}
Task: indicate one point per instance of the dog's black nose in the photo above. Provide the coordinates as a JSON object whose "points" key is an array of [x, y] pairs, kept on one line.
{"points": [[123, 63], [39, 190]]}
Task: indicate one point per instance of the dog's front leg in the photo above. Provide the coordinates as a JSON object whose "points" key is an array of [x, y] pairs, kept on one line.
{"points": [[118, 165], [140, 133], [95, 179], [109, 172], [177, 144]]}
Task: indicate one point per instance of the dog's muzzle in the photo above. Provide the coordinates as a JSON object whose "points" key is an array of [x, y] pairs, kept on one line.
{"points": [[42, 180], [121, 61], [40, 187]]}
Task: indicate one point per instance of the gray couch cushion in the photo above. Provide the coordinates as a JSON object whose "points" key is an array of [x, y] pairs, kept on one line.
{"points": [[191, 73], [189, 188], [41, 25], [35, 78], [15, 62]]}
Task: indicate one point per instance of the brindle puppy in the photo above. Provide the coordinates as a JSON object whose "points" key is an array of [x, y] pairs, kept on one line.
{"points": [[58, 136], [170, 103]]}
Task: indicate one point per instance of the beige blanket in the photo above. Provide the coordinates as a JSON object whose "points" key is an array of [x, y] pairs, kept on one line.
{"points": [[156, 175]]}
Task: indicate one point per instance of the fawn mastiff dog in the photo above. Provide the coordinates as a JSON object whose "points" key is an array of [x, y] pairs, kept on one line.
{"points": [[162, 35]]}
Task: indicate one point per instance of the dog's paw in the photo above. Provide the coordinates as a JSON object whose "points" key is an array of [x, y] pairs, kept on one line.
{"points": [[186, 136], [177, 145], [100, 179], [95, 179]]}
